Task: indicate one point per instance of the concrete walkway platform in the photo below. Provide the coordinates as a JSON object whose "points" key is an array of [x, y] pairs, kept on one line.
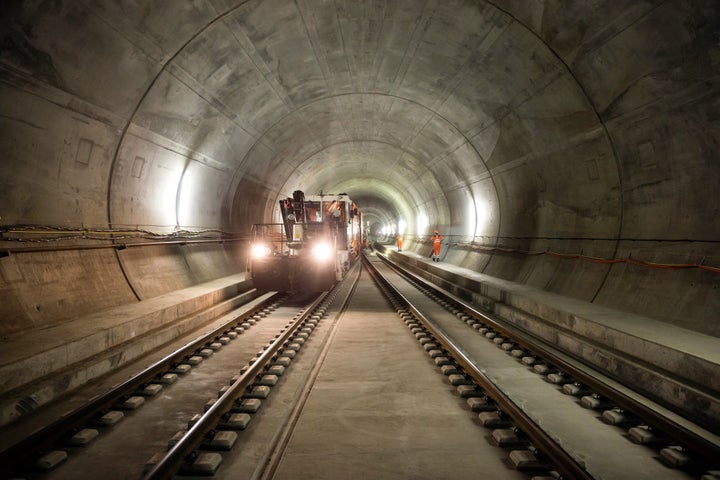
{"points": [[38, 366]]}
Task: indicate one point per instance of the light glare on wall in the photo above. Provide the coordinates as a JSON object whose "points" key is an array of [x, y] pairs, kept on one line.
{"points": [[422, 223], [482, 216], [185, 198], [401, 226], [167, 206]]}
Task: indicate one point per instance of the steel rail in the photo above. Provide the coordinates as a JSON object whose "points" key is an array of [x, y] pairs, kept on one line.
{"points": [[561, 460], [191, 441], [45, 437], [681, 430]]}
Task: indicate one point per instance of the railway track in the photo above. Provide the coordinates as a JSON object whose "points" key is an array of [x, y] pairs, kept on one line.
{"points": [[681, 448], [237, 338], [387, 378]]}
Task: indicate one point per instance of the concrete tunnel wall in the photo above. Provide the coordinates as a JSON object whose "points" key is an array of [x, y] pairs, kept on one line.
{"points": [[572, 127]]}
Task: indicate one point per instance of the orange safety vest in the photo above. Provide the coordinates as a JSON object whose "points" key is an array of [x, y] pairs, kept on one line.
{"points": [[436, 243]]}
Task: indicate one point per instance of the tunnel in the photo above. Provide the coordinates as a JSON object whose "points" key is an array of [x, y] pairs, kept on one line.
{"points": [[563, 146]]}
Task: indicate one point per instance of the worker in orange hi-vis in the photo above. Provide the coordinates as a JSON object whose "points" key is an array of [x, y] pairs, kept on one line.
{"points": [[437, 240], [399, 241]]}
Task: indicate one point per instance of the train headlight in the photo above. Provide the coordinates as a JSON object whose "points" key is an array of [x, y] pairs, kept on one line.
{"points": [[322, 251], [260, 250]]}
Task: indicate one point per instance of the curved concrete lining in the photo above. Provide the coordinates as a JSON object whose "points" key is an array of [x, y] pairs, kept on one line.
{"points": [[585, 128]]}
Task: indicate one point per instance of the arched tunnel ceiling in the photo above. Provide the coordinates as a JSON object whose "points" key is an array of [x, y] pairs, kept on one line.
{"points": [[532, 126], [440, 102], [533, 113]]}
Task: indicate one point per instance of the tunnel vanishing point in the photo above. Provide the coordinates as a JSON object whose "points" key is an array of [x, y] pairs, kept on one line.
{"points": [[569, 147]]}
